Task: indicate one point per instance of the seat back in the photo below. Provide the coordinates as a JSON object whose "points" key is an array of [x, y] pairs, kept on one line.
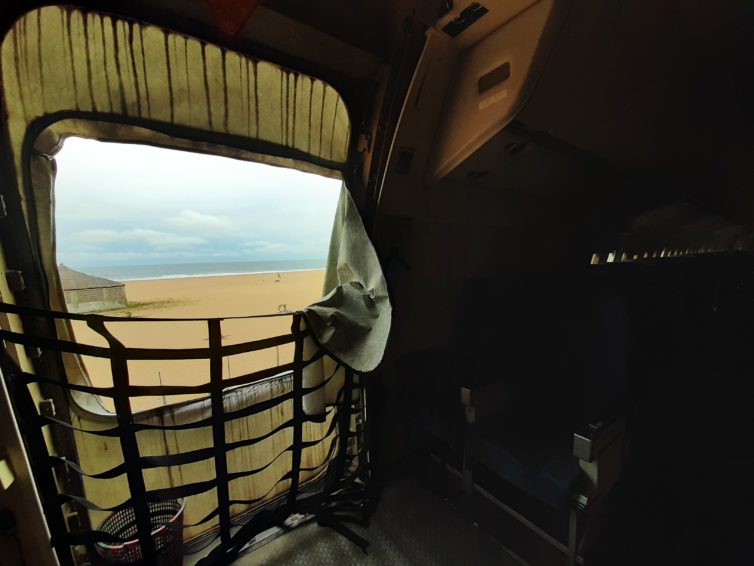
{"points": [[561, 348], [579, 333]]}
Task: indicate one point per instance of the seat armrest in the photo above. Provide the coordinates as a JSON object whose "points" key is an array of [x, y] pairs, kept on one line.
{"points": [[482, 400], [590, 442], [601, 450]]}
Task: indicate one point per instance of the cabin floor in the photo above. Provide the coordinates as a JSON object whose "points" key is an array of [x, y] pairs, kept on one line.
{"points": [[412, 525]]}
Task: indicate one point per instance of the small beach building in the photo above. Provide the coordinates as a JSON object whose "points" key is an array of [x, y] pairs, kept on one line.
{"points": [[87, 293]]}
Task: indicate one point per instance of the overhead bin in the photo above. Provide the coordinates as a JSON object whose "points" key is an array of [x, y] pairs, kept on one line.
{"points": [[492, 76], [477, 68]]}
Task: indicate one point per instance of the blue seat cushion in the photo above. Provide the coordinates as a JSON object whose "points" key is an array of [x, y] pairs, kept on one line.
{"points": [[538, 462]]}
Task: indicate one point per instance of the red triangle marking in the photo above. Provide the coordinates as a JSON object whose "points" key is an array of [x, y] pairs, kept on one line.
{"points": [[232, 15]]}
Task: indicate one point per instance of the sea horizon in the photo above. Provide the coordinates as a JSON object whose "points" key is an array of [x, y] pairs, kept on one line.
{"points": [[208, 269]]}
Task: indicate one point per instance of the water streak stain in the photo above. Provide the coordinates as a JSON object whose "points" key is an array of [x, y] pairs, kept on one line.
{"points": [[89, 76], [39, 58], [332, 131], [104, 65], [311, 96], [225, 91], [66, 17], [170, 77], [188, 82], [206, 85], [144, 72], [256, 95], [118, 71], [19, 76], [133, 67]]}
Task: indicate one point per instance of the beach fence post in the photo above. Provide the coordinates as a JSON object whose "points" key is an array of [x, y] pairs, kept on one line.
{"points": [[164, 397]]}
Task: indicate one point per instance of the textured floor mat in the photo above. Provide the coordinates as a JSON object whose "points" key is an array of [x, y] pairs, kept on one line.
{"points": [[411, 526]]}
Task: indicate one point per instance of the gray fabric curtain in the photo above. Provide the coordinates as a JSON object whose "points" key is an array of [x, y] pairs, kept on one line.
{"points": [[352, 320]]}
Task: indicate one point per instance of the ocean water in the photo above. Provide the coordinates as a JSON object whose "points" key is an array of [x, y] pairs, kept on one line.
{"points": [[177, 270]]}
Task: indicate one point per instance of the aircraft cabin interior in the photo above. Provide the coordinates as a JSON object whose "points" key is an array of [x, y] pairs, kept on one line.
{"points": [[480, 292]]}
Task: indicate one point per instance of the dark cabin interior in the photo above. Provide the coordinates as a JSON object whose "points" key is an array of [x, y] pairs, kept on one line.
{"points": [[569, 365]]}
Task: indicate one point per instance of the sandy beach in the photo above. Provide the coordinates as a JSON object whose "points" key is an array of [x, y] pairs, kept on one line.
{"points": [[194, 297]]}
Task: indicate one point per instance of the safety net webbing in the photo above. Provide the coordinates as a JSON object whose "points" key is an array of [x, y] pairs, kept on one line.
{"points": [[332, 487]]}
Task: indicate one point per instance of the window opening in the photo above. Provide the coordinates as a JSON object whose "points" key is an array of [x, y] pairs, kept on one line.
{"points": [[144, 231]]}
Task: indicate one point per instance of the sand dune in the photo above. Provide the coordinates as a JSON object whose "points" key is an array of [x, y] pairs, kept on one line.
{"points": [[202, 297]]}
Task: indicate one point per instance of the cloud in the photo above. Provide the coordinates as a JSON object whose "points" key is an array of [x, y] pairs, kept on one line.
{"points": [[274, 249], [292, 248], [265, 247], [197, 222], [143, 236], [139, 204]]}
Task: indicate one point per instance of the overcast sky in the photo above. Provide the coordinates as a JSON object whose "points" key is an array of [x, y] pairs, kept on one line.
{"points": [[122, 204]]}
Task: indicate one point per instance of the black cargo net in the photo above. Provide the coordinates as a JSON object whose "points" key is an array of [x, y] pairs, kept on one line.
{"points": [[335, 491]]}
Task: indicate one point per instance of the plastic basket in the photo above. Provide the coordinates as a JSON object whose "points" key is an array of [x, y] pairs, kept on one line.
{"points": [[166, 519]]}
